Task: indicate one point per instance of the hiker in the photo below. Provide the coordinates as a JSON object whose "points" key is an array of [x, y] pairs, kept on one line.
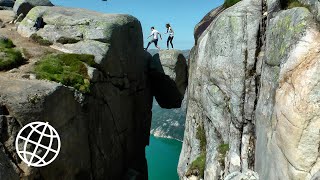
{"points": [[39, 23], [154, 34], [171, 35]]}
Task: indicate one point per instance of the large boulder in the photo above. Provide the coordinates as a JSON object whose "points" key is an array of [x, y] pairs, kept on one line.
{"points": [[174, 64], [70, 25], [24, 6], [169, 74]]}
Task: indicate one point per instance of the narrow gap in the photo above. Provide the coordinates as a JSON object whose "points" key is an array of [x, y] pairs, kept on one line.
{"points": [[4, 110]]}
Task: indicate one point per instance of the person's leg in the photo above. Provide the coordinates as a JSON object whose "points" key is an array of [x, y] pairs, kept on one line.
{"points": [[148, 45], [168, 42], [171, 42], [156, 44]]}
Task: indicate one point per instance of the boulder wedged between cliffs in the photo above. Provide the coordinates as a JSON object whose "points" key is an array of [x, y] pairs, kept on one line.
{"points": [[169, 78]]}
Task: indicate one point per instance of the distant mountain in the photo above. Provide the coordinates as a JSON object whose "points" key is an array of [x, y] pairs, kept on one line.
{"points": [[186, 52], [168, 123]]}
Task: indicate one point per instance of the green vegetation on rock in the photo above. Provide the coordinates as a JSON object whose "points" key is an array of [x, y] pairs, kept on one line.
{"points": [[6, 43], [9, 57], [229, 3], [288, 4], [201, 136], [68, 69], [199, 164], [222, 149], [40, 40], [66, 40]]}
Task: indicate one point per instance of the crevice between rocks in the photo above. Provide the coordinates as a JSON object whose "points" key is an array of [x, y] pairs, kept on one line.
{"points": [[254, 76]]}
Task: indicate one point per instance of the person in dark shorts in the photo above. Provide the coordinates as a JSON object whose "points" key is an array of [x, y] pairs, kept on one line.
{"points": [[171, 35], [155, 37]]}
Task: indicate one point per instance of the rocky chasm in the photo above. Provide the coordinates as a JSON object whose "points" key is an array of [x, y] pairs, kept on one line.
{"points": [[85, 73], [253, 100]]}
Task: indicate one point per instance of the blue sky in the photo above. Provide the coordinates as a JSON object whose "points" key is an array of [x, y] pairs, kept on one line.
{"points": [[183, 15]]}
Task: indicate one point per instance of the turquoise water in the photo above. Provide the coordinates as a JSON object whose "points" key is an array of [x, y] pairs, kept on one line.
{"points": [[163, 156]]}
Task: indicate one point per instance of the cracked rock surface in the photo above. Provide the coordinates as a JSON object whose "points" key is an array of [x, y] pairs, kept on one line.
{"points": [[253, 85]]}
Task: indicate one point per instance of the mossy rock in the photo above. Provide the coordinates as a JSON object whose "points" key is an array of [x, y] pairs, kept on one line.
{"points": [[40, 40], [67, 69], [197, 167], [289, 4], [229, 3], [9, 57], [222, 149], [66, 40], [201, 136]]}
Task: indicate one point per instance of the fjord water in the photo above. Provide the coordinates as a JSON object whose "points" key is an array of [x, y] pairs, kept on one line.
{"points": [[163, 156]]}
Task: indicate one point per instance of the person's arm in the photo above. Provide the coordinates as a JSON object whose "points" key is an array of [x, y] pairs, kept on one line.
{"points": [[167, 31], [150, 35]]}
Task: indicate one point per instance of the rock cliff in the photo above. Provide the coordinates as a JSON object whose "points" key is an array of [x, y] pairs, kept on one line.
{"points": [[253, 94], [105, 127]]}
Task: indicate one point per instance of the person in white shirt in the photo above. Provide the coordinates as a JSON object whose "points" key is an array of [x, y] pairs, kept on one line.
{"points": [[154, 34], [171, 35]]}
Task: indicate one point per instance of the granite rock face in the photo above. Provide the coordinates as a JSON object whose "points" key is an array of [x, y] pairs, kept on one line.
{"points": [[287, 124], [103, 133], [253, 90], [206, 21], [222, 91]]}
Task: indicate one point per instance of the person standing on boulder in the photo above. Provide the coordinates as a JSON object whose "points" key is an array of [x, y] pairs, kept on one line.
{"points": [[171, 35], [154, 34]]}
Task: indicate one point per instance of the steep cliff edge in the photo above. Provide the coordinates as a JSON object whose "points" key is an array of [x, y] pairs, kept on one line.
{"points": [[252, 107], [104, 119]]}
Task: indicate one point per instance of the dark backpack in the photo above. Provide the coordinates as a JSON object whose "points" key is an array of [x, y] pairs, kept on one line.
{"points": [[39, 23]]}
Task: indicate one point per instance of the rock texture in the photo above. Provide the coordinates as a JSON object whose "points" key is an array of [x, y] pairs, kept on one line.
{"points": [[104, 132], [222, 91], [206, 21], [253, 88], [314, 6], [24, 6], [170, 123], [287, 124], [174, 64]]}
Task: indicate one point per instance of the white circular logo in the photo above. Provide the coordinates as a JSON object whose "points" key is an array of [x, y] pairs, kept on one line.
{"points": [[38, 144]]}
